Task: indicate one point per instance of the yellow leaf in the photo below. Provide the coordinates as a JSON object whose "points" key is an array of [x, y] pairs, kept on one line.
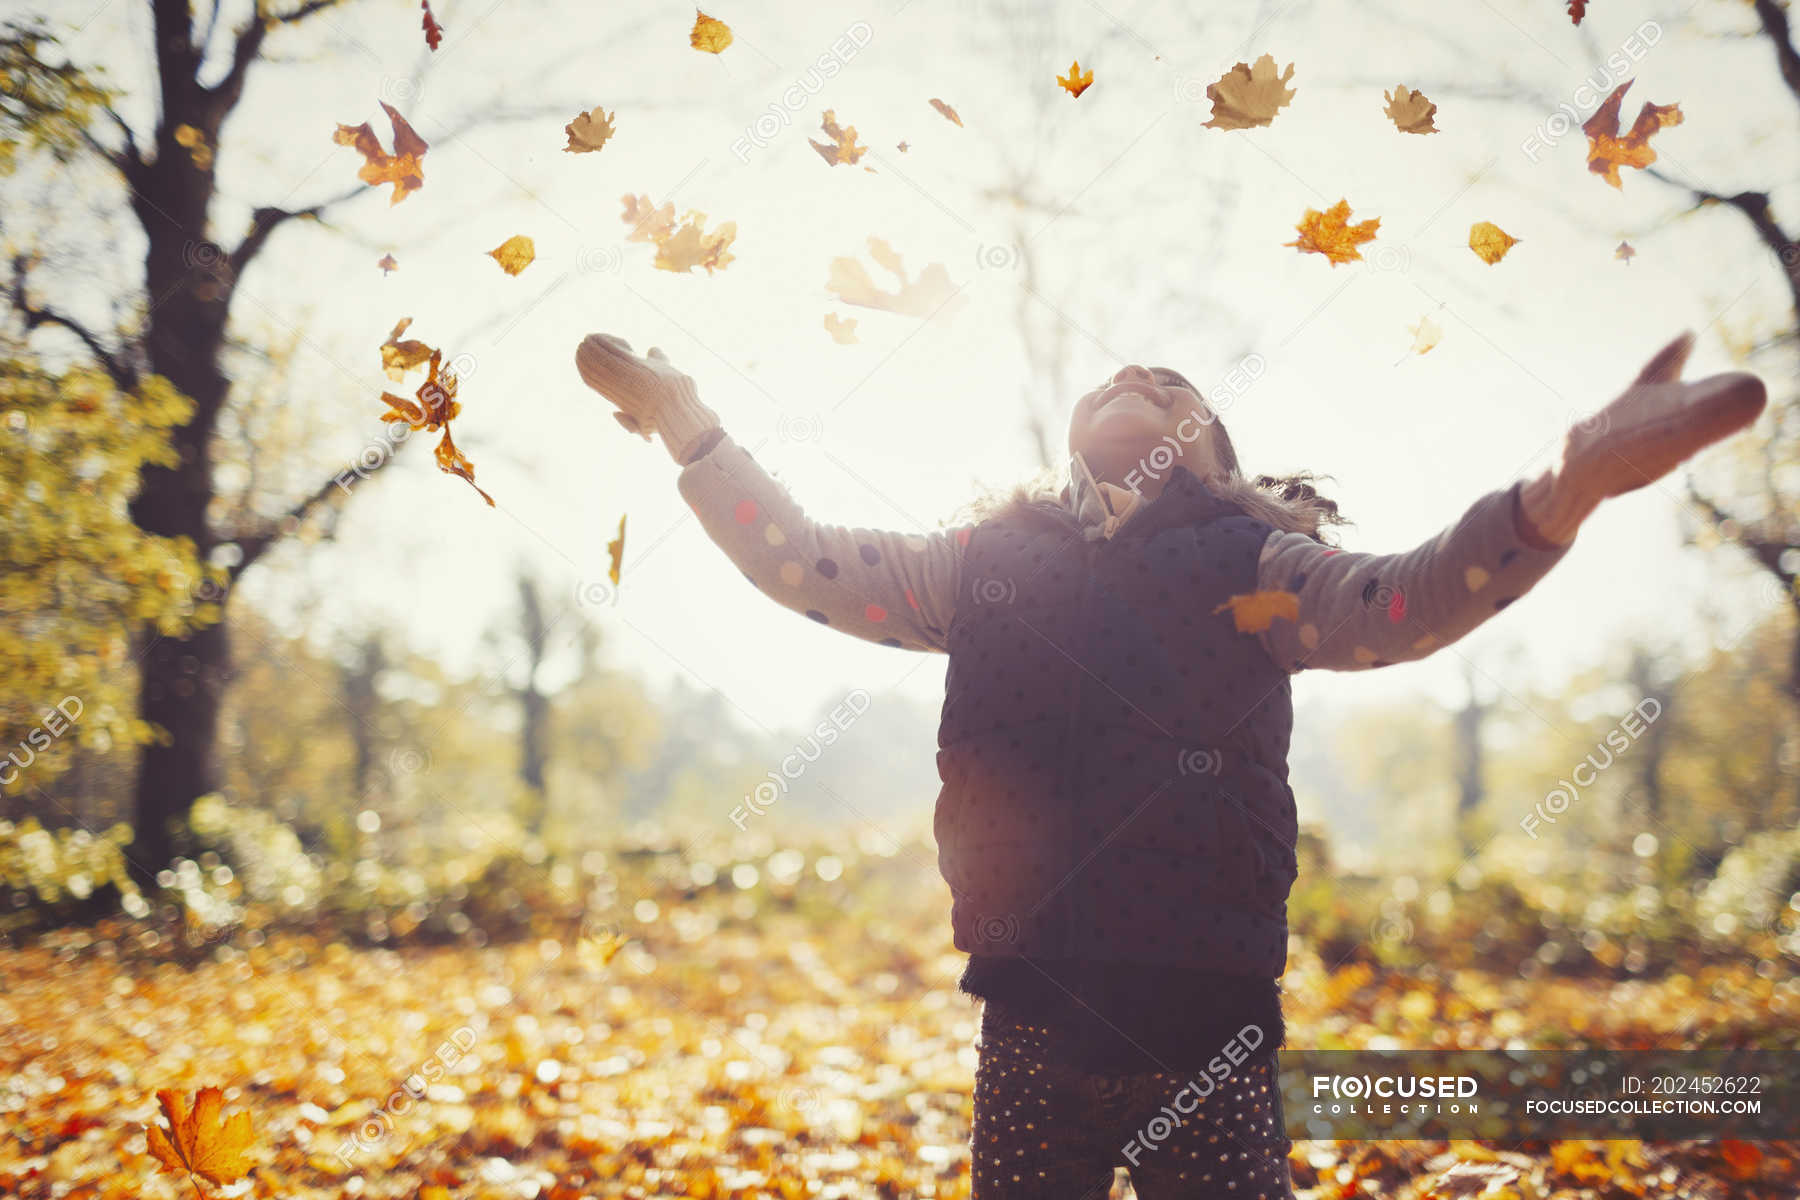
{"points": [[1490, 242], [1247, 96], [398, 357], [1329, 233], [949, 113], [850, 282], [195, 1140], [709, 34], [589, 131], [1256, 611], [514, 254], [842, 147], [1608, 151], [1410, 111], [615, 550], [842, 331], [1076, 81]]}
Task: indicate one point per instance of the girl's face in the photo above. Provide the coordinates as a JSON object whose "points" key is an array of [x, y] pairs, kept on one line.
{"points": [[1116, 426]]}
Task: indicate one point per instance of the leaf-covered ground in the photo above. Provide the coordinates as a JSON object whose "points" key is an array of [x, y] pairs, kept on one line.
{"points": [[735, 1047]]}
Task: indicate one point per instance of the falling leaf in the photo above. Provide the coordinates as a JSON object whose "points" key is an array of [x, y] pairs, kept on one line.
{"points": [[1474, 1179], [402, 168], [1626, 251], [196, 1142], [514, 254], [434, 33], [1329, 234], [1410, 111], [843, 147], [949, 113], [849, 280], [901, 147], [451, 461], [681, 247], [1607, 151], [842, 331], [588, 131], [1076, 81], [615, 550], [436, 404], [1247, 96], [398, 357], [709, 34], [1490, 242], [1256, 611], [1577, 10], [1426, 334], [388, 264]]}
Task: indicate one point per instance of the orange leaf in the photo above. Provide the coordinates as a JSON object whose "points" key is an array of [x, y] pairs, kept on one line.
{"points": [[1490, 242], [514, 254], [949, 113], [1607, 151], [1256, 611], [1077, 81], [196, 1141], [1329, 234], [843, 147], [434, 33], [450, 459], [709, 34], [402, 168], [1744, 1158], [615, 550]]}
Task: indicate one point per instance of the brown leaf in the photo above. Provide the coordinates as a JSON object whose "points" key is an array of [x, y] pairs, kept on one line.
{"points": [[402, 168], [1410, 111], [398, 357], [434, 33], [709, 34], [514, 254], [1247, 96], [1577, 10], [1607, 151], [196, 1141], [949, 113], [589, 131], [1328, 233], [843, 147], [1076, 81]]}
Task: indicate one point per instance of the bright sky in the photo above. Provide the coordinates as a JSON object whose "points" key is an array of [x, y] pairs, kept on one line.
{"points": [[1155, 240]]}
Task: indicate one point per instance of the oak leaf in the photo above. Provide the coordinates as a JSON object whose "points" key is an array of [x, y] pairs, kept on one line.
{"points": [[949, 113], [1490, 242], [842, 148], [1329, 233], [1254, 612], [1247, 96], [615, 552], [842, 331], [1076, 81], [589, 131], [514, 254], [709, 34], [851, 283], [1608, 151], [434, 33], [682, 247], [402, 168], [1410, 111], [196, 1141]]}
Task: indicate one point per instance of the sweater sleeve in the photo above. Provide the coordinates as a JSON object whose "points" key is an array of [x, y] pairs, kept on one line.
{"points": [[1357, 611], [898, 589]]}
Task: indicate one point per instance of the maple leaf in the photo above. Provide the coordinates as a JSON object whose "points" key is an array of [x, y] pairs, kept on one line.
{"points": [[949, 113], [1256, 611], [1410, 111], [388, 264], [843, 147], [1607, 151], [1490, 242], [849, 280], [709, 34], [1247, 96], [683, 247], [402, 168], [842, 331], [615, 551], [1076, 81], [1626, 251], [434, 33], [1329, 234], [1577, 10], [514, 254], [196, 1142], [589, 131]]}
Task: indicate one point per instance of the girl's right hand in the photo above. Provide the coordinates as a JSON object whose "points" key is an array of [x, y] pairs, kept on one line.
{"points": [[650, 394]]}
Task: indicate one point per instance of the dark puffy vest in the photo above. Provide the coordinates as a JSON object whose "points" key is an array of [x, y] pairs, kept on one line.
{"points": [[1113, 751]]}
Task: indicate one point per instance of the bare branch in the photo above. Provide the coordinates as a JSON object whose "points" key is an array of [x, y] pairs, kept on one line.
{"points": [[249, 43], [1775, 23], [265, 221], [34, 316], [254, 545]]}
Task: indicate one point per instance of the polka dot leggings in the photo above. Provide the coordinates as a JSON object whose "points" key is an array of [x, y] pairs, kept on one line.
{"points": [[1053, 1132]]}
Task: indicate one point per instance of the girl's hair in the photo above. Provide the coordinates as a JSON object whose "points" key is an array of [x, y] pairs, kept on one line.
{"points": [[1288, 502]]}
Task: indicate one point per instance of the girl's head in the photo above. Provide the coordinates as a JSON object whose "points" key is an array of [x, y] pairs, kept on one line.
{"points": [[1136, 426]]}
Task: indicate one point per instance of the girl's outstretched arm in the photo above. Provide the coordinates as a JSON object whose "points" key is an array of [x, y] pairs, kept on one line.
{"points": [[1358, 611], [897, 589]]}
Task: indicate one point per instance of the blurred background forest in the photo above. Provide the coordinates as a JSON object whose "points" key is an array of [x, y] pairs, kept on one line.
{"points": [[269, 680]]}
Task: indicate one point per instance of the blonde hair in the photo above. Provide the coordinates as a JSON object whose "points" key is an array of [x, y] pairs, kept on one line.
{"points": [[1287, 502]]}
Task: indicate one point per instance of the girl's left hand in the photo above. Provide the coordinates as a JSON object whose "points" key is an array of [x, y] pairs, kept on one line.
{"points": [[1655, 425]]}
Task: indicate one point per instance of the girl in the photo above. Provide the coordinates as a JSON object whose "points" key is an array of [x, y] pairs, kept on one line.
{"points": [[1115, 822]]}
